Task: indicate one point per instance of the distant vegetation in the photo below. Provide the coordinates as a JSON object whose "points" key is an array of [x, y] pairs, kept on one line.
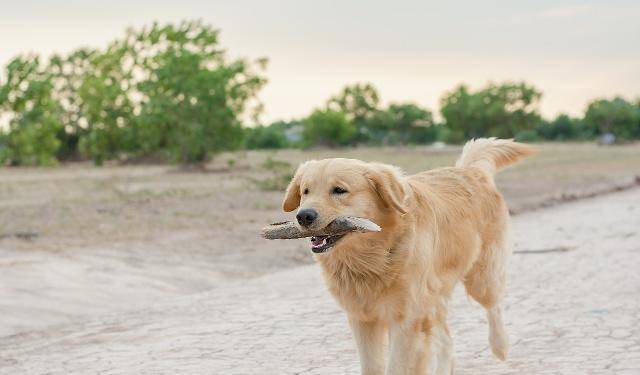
{"points": [[168, 92], [164, 92], [508, 110]]}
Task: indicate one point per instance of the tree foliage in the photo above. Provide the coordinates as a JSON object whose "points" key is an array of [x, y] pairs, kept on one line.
{"points": [[192, 95], [165, 90], [328, 128], [359, 102], [562, 128], [27, 95], [171, 92], [616, 116], [266, 137], [405, 123], [500, 110]]}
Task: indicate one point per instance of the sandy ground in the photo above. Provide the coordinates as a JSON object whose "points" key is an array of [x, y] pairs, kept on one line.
{"points": [[572, 307], [79, 241]]}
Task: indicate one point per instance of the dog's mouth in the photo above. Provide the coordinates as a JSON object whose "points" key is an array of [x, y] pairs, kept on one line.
{"points": [[322, 244]]}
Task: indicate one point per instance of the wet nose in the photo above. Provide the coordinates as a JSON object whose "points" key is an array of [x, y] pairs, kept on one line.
{"points": [[306, 216]]}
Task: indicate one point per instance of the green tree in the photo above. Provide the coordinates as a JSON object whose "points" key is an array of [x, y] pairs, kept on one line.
{"points": [[164, 90], [266, 137], [193, 97], [68, 73], [616, 116], [403, 123], [562, 128], [327, 128], [35, 116], [105, 105], [359, 102], [501, 110]]}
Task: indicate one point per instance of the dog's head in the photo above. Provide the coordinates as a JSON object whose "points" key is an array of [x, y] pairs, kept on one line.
{"points": [[323, 190]]}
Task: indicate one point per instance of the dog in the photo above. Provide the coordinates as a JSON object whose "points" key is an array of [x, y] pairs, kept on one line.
{"points": [[439, 227]]}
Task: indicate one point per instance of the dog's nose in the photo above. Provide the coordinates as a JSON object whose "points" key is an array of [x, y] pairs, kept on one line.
{"points": [[306, 216]]}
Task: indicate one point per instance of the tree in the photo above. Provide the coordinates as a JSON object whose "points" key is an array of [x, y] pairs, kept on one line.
{"points": [[266, 137], [69, 73], [616, 116], [359, 102], [328, 128], [403, 123], [35, 116], [563, 127], [412, 124], [105, 108], [193, 97], [501, 110], [164, 90]]}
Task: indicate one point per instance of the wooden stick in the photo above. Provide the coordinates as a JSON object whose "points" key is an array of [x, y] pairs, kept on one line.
{"points": [[287, 230]]}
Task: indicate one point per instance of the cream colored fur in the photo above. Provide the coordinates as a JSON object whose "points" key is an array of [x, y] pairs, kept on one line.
{"points": [[439, 227]]}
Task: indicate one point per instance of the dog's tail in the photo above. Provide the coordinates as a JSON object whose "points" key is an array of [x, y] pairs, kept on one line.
{"points": [[492, 154]]}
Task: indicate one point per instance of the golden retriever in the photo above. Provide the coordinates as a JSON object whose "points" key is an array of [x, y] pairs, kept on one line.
{"points": [[438, 227]]}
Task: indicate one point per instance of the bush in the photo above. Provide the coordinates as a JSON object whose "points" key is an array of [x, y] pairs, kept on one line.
{"points": [[32, 144], [563, 128], [265, 137], [359, 102], [501, 110], [616, 116], [36, 122], [402, 124], [328, 128]]}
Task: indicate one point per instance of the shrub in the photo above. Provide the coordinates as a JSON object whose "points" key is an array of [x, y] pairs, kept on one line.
{"points": [[563, 128], [359, 102], [328, 128], [33, 129], [402, 124], [265, 137], [616, 116], [32, 143], [501, 110]]}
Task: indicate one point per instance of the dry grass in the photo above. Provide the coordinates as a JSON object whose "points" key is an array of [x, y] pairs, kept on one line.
{"points": [[80, 205]]}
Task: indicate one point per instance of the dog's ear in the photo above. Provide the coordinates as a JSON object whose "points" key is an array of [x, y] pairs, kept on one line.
{"points": [[387, 183], [292, 196]]}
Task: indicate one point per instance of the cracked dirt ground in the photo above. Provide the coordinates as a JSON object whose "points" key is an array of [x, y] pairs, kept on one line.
{"points": [[572, 311]]}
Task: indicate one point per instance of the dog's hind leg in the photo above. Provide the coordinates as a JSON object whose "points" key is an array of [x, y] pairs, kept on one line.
{"points": [[485, 282]]}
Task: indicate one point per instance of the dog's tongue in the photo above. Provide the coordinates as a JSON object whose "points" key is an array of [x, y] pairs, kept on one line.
{"points": [[318, 241]]}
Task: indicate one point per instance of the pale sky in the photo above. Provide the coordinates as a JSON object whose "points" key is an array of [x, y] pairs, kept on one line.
{"points": [[574, 51]]}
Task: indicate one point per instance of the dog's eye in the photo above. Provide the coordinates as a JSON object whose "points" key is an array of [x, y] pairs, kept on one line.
{"points": [[305, 192], [338, 190]]}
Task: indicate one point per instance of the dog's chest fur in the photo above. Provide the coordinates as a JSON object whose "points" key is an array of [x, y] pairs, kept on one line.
{"points": [[366, 283]]}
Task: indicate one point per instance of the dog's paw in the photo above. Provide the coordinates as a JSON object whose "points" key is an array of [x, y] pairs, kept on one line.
{"points": [[499, 345]]}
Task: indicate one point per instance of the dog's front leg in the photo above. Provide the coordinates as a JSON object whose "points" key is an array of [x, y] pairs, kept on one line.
{"points": [[369, 337], [408, 348]]}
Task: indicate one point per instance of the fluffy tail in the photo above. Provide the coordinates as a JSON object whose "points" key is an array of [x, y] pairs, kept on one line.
{"points": [[492, 154]]}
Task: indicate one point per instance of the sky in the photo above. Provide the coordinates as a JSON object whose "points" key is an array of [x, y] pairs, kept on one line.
{"points": [[411, 50]]}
